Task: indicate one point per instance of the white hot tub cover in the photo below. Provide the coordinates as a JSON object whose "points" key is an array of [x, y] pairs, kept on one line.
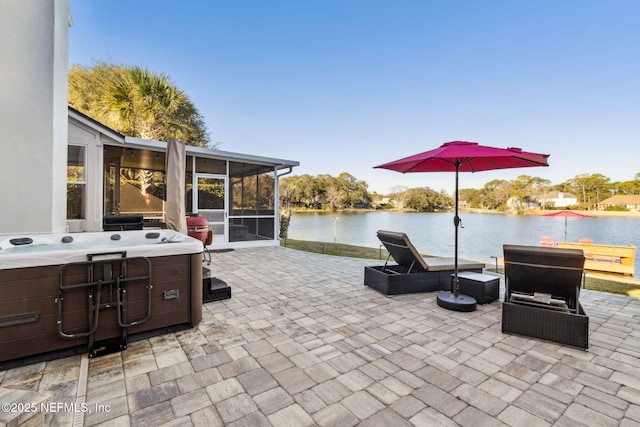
{"points": [[20, 251]]}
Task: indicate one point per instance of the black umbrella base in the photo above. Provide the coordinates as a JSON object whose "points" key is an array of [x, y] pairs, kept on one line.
{"points": [[460, 303]]}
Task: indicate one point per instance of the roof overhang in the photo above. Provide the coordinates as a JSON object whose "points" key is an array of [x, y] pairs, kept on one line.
{"points": [[147, 144], [95, 125]]}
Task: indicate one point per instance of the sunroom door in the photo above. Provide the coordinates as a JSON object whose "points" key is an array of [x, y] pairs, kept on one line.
{"points": [[210, 202]]}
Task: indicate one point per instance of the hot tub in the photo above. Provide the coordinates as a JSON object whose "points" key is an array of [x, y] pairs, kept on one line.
{"points": [[92, 291]]}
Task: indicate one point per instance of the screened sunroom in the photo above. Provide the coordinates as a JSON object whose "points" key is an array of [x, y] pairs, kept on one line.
{"points": [[113, 175]]}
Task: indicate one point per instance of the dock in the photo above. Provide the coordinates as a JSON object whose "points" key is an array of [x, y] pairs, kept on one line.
{"points": [[605, 258]]}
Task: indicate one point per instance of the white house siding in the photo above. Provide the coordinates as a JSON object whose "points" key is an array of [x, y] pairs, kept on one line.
{"points": [[561, 200]]}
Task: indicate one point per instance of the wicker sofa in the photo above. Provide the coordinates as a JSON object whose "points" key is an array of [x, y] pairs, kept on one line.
{"points": [[542, 289]]}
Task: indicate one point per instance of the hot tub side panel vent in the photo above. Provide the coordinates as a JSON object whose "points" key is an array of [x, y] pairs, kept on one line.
{"points": [[102, 298]]}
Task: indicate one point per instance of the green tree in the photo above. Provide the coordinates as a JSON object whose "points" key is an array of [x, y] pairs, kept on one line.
{"points": [[627, 187], [471, 196], [136, 102], [424, 199], [326, 184], [590, 189], [287, 193], [355, 189], [336, 197], [528, 190], [495, 193], [310, 191], [325, 190], [399, 196]]}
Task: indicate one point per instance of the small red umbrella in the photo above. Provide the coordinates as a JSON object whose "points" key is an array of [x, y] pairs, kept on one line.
{"points": [[463, 156], [567, 214]]}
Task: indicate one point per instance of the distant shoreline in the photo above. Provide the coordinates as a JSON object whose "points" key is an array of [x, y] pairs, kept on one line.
{"points": [[624, 214], [628, 214]]}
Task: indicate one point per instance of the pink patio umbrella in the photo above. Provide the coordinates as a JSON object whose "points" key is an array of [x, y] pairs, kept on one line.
{"points": [[463, 156], [567, 214]]}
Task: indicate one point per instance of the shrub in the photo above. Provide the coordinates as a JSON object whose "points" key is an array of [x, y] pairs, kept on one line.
{"points": [[616, 208]]}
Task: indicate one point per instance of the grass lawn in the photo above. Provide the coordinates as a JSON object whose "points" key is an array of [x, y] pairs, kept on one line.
{"points": [[622, 286]]}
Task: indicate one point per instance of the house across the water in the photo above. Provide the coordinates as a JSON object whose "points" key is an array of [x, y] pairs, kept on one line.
{"points": [[559, 199], [630, 201]]}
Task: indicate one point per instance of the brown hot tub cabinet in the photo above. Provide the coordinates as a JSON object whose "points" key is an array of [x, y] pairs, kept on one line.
{"points": [[95, 300]]}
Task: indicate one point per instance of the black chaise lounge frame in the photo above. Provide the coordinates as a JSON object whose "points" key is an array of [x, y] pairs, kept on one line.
{"points": [[532, 271], [411, 272]]}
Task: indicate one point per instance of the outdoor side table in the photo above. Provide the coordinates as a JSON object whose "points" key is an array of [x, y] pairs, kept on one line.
{"points": [[483, 287]]}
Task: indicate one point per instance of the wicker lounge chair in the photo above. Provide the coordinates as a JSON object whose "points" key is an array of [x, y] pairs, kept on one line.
{"points": [[411, 272], [542, 287]]}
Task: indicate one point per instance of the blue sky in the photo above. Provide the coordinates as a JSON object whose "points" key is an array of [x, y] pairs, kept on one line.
{"points": [[345, 85]]}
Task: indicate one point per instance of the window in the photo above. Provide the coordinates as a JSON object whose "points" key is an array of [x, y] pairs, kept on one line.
{"points": [[134, 182], [76, 181], [252, 196]]}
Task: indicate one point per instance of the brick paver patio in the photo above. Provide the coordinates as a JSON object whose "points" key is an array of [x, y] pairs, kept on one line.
{"points": [[303, 342]]}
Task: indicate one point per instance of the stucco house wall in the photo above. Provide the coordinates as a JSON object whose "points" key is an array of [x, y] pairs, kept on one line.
{"points": [[33, 115]]}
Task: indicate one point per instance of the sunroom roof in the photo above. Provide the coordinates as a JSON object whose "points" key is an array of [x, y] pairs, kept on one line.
{"points": [[131, 142]]}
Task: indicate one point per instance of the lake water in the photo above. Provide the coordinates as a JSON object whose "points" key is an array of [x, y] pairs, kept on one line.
{"points": [[480, 238]]}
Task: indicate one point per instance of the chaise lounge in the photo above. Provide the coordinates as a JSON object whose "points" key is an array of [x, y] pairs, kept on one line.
{"points": [[542, 286], [412, 273]]}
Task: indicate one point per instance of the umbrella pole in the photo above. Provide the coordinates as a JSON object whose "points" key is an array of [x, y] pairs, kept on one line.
{"points": [[454, 300], [456, 224]]}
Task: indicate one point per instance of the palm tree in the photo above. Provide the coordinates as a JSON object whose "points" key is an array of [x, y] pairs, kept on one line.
{"points": [[148, 106], [136, 102]]}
